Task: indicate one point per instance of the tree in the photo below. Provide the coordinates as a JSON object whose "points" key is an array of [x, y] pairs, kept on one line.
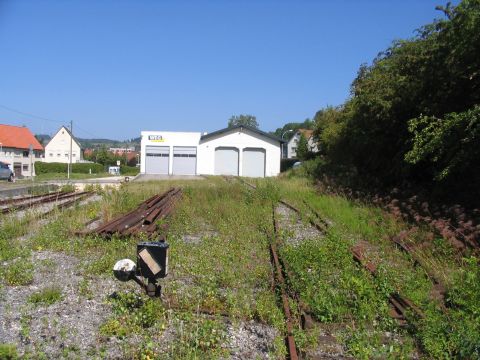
{"points": [[302, 148], [246, 120]]}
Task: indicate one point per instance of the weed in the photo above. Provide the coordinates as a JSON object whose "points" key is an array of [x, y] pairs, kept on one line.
{"points": [[47, 296], [20, 272], [8, 352]]}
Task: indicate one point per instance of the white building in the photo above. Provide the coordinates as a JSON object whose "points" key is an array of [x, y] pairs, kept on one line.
{"points": [[58, 148], [292, 144], [239, 151], [19, 149]]}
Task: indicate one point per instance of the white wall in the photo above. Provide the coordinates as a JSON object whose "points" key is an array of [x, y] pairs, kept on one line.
{"points": [[14, 156], [170, 139], [239, 139], [60, 145]]}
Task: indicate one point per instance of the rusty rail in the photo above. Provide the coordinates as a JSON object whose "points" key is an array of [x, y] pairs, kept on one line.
{"points": [[40, 200], [400, 304], [26, 198], [290, 341], [143, 218]]}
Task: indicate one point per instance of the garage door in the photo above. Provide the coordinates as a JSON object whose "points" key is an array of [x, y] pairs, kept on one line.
{"points": [[226, 161], [156, 159], [184, 160], [253, 162]]}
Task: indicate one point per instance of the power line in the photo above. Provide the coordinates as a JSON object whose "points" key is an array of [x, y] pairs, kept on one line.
{"points": [[28, 114], [42, 118]]}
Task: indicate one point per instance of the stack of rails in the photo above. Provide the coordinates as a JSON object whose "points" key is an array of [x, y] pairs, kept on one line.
{"points": [[143, 218]]}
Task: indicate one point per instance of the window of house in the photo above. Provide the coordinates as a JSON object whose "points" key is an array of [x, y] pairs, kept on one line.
{"points": [[25, 167], [59, 155], [51, 154], [66, 155], [25, 153], [74, 155]]}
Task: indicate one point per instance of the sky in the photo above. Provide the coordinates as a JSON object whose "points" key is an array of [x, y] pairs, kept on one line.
{"points": [[116, 68]]}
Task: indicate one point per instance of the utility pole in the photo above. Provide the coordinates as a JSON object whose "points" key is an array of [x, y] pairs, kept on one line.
{"points": [[69, 167]]}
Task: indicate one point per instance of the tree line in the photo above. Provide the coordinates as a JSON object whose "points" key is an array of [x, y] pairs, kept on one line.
{"points": [[414, 113]]}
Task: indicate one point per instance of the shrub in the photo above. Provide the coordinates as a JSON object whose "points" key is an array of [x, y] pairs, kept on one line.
{"points": [[81, 168]]}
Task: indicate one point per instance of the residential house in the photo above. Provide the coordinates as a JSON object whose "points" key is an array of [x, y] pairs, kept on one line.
{"points": [[58, 148], [20, 149], [292, 144]]}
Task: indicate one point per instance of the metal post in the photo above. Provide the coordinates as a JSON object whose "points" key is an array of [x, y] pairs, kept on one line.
{"points": [[69, 167]]}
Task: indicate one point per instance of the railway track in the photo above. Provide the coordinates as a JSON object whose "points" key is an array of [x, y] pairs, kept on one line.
{"points": [[32, 201], [400, 305]]}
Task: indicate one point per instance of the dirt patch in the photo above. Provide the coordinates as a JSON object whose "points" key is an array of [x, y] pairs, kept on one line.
{"points": [[295, 231]]}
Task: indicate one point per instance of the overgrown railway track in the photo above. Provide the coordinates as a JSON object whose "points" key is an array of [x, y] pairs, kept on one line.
{"points": [[32, 201], [401, 308]]}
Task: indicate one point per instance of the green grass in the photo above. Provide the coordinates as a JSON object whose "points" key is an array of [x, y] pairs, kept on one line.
{"points": [[47, 296], [8, 352]]}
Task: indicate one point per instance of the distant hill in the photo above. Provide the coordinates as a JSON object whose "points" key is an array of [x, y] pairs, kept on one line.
{"points": [[95, 143]]}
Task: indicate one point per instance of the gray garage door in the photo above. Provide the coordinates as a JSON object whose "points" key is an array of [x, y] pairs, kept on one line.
{"points": [[253, 162], [156, 159], [184, 160], [226, 161]]}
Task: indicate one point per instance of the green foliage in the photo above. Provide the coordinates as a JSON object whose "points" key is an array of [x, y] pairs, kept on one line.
{"points": [[129, 170], [8, 352], [82, 168], [20, 272], [430, 77], [47, 296], [451, 145], [247, 120], [302, 148]]}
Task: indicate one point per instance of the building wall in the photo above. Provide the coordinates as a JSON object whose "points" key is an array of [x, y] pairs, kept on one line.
{"points": [[206, 148], [170, 139], [23, 157], [58, 149], [292, 146], [240, 140]]}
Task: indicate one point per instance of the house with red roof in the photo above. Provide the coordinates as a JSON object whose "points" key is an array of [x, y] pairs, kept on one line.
{"points": [[20, 149]]}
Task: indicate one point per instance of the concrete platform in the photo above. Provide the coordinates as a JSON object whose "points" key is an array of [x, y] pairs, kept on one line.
{"points": [[154, 177], [14, 189]]}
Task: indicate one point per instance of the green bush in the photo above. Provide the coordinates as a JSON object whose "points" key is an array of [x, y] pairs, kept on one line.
{"points": [[286, 164], [129, 170], [81, 168], [8, 352]]}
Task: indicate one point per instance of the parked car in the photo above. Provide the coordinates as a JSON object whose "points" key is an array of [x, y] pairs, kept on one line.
{"points": [[297, 164], [6, 172]]}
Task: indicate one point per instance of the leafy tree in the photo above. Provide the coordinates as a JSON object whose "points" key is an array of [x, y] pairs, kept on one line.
{"points": [[450, 145], [302, 148], [246, 120]]}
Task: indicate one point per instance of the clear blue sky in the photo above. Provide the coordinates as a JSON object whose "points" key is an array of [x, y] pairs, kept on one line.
{"points": [[119, 67]]}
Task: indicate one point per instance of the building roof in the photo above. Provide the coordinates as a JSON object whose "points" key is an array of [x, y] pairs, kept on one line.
{"points": [[18, 137], [228, 129], [69, 133], [306, 132]]}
